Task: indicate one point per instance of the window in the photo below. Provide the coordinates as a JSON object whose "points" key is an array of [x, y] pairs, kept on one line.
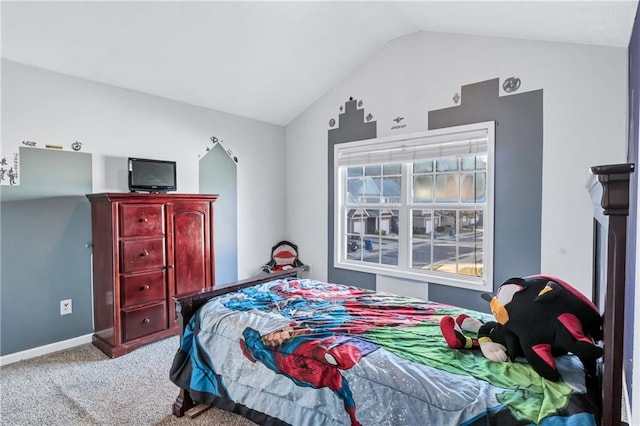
{"points": [[419, 206]]}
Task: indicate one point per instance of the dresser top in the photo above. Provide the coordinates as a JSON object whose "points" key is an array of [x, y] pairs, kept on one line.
{"points": [[148, 197]]}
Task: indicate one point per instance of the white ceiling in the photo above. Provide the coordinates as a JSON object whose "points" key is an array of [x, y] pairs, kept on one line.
{"points": [[269, 60]]}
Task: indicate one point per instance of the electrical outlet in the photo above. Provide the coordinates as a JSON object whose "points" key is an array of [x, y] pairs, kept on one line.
{"points": [[65, 307]]}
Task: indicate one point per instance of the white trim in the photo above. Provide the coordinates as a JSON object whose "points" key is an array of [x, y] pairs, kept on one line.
{"points": [[626, 405], [45, 350]]}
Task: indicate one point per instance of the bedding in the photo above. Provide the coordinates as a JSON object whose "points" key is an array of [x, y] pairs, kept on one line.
{"points": [[304, 352]]}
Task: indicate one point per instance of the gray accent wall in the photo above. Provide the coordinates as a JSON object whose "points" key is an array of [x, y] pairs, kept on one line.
{"points": [[351, 127], [518, 180], [518, 177], [45, 255], [218, 175]]}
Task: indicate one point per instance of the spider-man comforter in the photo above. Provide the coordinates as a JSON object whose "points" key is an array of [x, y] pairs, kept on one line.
{"points": [[304, 352]]}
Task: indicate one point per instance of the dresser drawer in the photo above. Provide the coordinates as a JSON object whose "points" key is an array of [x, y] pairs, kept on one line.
{"points": [[145, 288], [140, 322], [142, 254], [137, 220]]}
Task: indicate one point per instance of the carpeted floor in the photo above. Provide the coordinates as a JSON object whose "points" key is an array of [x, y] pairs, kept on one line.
{"points": [[82, 386]]}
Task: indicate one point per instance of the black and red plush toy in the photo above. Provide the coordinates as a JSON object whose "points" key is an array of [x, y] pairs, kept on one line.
{"points": [[284, 255], [549, 318], [495, 341]]}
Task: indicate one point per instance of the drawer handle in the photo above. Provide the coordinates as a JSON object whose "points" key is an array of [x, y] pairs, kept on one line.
{"points": [[146, 320], [144, 287], [143, 219], [144, 253]]}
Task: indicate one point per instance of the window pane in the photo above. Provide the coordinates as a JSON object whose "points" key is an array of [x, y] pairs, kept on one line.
{"points": [[444, 244], [372, 190], [468, 188], [389, 251], [353, 247], [421, 254], [354, 171], [371, 245], [354, 190], [468, 163], [423, 167], [481, 162], [445, 225], [392, 169], [356, 221], [388, 222], [373, 170], [447, 188], [422, 189], [470, 260], [446, 165], [444, 256], [421, 224], [471, 240], [481, 187], [473, 187], [391, 189], [421, 229]]}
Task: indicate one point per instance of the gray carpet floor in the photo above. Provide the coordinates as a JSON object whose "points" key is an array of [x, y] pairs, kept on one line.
{"points": [[82, 386]]}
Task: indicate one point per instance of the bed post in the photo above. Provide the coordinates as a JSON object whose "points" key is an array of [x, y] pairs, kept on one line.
{"points": [[615, 204]]}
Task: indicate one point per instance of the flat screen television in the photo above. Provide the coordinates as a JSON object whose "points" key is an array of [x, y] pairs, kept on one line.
{"points": [[146, 175]]}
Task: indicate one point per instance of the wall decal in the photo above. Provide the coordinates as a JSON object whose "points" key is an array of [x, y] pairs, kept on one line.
{"points": [[76, 146], [9, 172], [369, 117], [53, 146], [29, 143], [511, 84], [360, 103], [217, 141], [398, 119], [332, 122]]}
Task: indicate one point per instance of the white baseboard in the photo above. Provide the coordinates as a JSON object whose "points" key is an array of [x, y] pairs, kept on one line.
{"points": [[44, 350]]}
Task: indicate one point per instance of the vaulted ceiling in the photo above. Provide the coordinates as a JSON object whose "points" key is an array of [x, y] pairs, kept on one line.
{"points": [[269, 60]]}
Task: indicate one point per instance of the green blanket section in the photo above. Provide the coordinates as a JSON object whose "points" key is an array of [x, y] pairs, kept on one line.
{"points": [[526, 393]]}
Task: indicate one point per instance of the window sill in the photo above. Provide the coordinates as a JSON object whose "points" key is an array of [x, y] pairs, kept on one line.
{"points": [[470, 283]]}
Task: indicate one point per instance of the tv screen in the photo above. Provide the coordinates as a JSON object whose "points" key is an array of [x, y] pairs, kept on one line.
{"points": [[146, 175]]}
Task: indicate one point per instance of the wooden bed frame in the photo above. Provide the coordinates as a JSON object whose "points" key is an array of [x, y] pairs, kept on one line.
{"points": [[611, 208], [609, 188]]}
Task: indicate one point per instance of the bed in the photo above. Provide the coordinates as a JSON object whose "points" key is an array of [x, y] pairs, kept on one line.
{"points": [[285, 349]]}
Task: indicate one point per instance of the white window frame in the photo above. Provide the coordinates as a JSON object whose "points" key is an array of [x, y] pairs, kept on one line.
{"points": [[435, 139]]}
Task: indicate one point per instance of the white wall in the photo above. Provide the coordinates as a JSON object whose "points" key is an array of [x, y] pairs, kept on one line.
{"points": [[113, 124], [584, 124]]}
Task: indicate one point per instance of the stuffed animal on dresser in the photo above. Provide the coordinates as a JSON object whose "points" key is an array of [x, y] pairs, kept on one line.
{"points": [[549, 318]]}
